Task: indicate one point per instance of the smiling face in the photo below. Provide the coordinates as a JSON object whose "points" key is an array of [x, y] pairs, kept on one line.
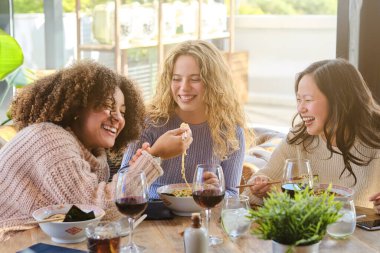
{"points": [[312, 105], [188, 90], [99, 127]]}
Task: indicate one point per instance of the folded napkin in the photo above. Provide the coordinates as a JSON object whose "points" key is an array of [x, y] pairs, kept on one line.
{"points": [[47, 248], [157, 210]]}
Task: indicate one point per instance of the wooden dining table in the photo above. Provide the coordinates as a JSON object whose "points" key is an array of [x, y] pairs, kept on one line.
{"points": [[166, 236]]}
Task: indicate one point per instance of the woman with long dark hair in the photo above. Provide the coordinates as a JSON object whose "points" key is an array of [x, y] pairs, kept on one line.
{"points": [[339, 132]]}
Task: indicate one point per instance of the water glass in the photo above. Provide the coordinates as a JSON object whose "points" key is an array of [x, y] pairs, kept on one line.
{"points": [[103, 237], [345, 226], [234, 212]]}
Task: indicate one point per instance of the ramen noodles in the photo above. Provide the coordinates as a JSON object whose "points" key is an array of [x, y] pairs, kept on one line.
{"points": [[182, 192], [184, 136]]}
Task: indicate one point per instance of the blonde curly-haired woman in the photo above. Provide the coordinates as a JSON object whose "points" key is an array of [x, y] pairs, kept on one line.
{"points": [[196, 87]]}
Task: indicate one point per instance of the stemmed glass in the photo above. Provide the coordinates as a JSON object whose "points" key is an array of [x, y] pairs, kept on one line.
{"points": [[297, 176], [131, 199], [208, 191]]}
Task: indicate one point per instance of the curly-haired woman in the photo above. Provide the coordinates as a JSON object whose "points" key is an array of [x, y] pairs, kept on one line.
{"points": [[339, 133], [67, 120], [196, 87]]}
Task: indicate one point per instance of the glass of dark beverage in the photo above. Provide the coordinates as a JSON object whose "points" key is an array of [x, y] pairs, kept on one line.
{"points": [[297, 176], [131, 199], [208, 191], [103, 237]]}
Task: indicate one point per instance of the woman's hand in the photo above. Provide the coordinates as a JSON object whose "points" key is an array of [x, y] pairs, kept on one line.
{"points": [[261, 186], [172, 143], [210, 178], [145, 146], [376, 202]]}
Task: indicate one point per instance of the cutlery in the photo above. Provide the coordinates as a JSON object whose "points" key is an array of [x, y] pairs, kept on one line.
{"points": [[247, 185], [274, 182], [46, 220], [139, 220]]}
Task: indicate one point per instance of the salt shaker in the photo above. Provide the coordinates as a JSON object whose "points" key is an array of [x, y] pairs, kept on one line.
{"points": [[195, 237]]}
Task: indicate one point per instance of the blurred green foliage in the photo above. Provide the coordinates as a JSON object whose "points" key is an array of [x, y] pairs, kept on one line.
{"points": [[247, 7], [37, 6], [288, 7]]}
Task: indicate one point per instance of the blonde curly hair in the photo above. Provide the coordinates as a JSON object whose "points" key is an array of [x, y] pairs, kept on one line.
{"points": [[223, 110], [57, 98]]}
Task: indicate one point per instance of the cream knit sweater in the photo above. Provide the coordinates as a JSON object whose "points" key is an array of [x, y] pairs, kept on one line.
{"points": [[328, 169], [44, 164]]}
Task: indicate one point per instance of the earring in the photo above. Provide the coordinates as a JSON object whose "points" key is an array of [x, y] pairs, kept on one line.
{"points": [[76, 117]]}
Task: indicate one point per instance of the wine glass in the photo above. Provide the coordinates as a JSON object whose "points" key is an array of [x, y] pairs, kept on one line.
{"points": [[208, 191], [131, 199], [297, 176]]}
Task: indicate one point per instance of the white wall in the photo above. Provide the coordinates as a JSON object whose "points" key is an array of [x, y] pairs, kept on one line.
{"points": [[30, 33], [279, 47]]}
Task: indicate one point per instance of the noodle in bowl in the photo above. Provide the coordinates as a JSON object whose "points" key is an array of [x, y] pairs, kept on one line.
{"points": [[340, 192], [181, 205]]}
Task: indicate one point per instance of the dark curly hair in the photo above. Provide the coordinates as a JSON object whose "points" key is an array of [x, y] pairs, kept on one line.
{"points": [[353, 117], [57, 98]]}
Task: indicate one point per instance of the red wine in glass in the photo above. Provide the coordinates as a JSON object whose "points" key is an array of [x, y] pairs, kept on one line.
{"points": [[297, 176], [291, 189], [208, 198], [208, 191], [131, 199], [132, 206]]}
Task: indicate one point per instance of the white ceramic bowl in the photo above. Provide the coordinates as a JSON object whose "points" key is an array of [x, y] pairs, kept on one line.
{"points": [[66, 232], [181, 206]]}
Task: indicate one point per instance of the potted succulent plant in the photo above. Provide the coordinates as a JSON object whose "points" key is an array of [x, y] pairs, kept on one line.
{"points": [[295, 224]]}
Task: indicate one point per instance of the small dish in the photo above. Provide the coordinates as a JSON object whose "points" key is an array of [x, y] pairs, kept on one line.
{"points": [[66, 232]]}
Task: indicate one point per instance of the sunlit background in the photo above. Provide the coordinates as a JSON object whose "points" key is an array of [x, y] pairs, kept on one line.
{"points": [[270, 41]]}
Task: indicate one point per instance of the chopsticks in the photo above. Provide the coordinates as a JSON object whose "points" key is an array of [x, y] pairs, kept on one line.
{"points": [[275, 182], [139, 220], [44, 221], [247, 185]]}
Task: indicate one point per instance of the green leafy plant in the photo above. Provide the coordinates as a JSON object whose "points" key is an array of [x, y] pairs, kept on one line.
{"points": [[288, 7], [10, 54], [11, 58], [297, 221]]}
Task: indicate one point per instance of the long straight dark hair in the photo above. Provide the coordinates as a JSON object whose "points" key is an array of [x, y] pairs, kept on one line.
{"points": [[353, 113]]}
